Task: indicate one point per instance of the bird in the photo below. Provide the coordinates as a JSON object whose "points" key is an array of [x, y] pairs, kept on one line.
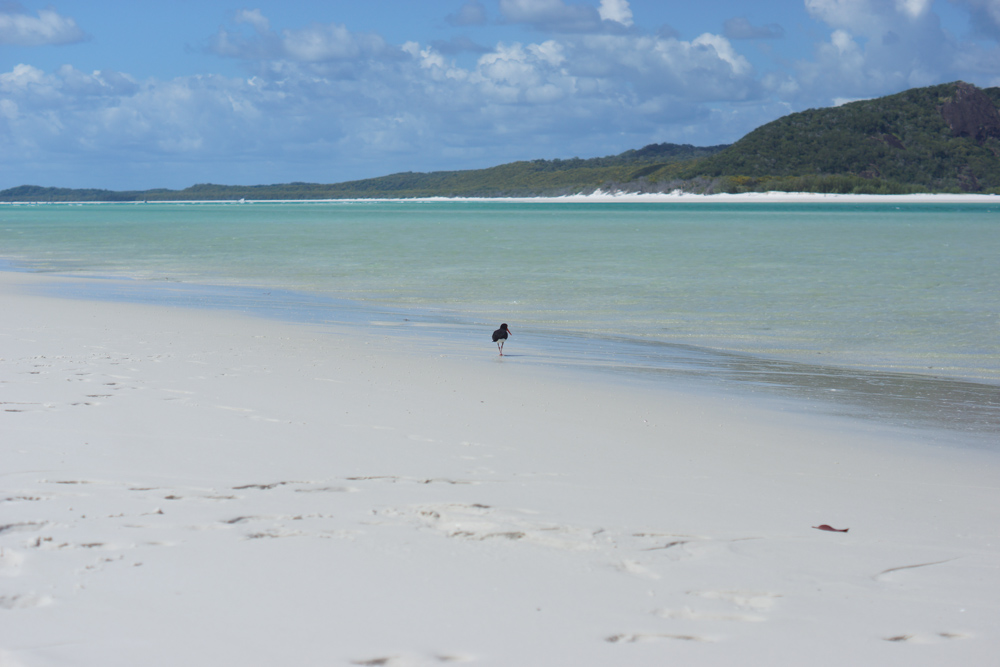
{"points": [[500, 335]]}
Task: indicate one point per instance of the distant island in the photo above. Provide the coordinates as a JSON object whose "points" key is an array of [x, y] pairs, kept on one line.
{"points": [[938, 139]]}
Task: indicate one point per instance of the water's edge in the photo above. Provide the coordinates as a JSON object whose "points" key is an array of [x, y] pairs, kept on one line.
{"points": [[909, 400]]}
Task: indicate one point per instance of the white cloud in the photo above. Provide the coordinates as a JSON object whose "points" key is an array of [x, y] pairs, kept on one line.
{"points": [[739, 65], [319, 42], [878, 47], [72, 112], [867, 17], [914, 8], [20, 78], [855, 15], [98, 83], [509, 71], [48, 27], [8, 109], [550, 52], [616, 10], [255, 18]]}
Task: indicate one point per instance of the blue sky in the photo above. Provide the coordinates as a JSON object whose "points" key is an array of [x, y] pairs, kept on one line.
{"points": [[135, 95]]}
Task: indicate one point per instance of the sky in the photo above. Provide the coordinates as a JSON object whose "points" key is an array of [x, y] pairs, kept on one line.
{"points": [[136, 95]]}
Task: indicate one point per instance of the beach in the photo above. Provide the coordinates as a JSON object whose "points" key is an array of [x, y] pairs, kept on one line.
{"points": [[773, 197], [203, 487]]}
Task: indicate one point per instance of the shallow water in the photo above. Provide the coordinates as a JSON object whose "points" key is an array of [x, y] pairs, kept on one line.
{"points": [[894, 309]]}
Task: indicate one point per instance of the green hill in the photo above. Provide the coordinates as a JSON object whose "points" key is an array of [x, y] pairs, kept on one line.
{"points": [[943, 138], [516, 179]]}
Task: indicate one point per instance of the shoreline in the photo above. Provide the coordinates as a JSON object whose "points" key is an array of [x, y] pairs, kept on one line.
{"points": [[909, 396], [603, 197], [275, 492]]}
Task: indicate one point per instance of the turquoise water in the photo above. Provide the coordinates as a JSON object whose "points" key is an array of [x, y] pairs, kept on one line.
{"points": [[877, 288]]}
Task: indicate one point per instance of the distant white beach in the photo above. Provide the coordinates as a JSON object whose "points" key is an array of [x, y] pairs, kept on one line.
{"points": [[602, 197], [769, 197]]}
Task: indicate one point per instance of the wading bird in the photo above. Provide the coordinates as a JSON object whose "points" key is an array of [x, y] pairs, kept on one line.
{"points": [[500, 335]]}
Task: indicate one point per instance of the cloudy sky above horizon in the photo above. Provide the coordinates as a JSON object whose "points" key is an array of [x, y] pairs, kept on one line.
{"points": [[134, 95]]}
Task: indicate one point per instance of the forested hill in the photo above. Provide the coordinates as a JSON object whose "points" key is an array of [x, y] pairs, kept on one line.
{"points": [[516, 179], [943, 138]]}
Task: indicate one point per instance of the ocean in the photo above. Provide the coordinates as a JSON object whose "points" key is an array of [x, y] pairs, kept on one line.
{"points": [[887, 310]]}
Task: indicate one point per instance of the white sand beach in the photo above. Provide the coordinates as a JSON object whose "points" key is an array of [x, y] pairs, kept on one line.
{"points": [[201, 488], [604, 197], [600, 196]]}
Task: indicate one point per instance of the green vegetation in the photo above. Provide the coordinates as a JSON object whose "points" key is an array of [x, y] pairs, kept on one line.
{"points": [[895, 144], [942, 138], [516, 179]]}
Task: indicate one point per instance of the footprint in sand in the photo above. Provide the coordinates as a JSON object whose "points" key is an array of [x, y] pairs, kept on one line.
{"points": [[411, 661], [479, 523], [928, 638], [887, 575], [267, 486], [413, 480], [11, 406], [330, 489], [675, 547], [24, 526], [743, 601], [636, 638]]}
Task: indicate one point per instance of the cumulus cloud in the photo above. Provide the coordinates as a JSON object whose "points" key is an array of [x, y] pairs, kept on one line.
{"points": [[867, 17], [571, 64], [99, 83], [255, 18], [618, 11], [20, 29], [318, 42], [741, 28], [20, 78], [878, 47]]}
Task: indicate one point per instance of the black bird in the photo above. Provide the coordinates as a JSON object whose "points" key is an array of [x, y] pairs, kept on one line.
{"points": [[500, 335]]}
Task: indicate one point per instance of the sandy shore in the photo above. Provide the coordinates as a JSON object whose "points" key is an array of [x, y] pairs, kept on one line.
{"points": [[601, 197], [183, 487], [745, 197]]}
